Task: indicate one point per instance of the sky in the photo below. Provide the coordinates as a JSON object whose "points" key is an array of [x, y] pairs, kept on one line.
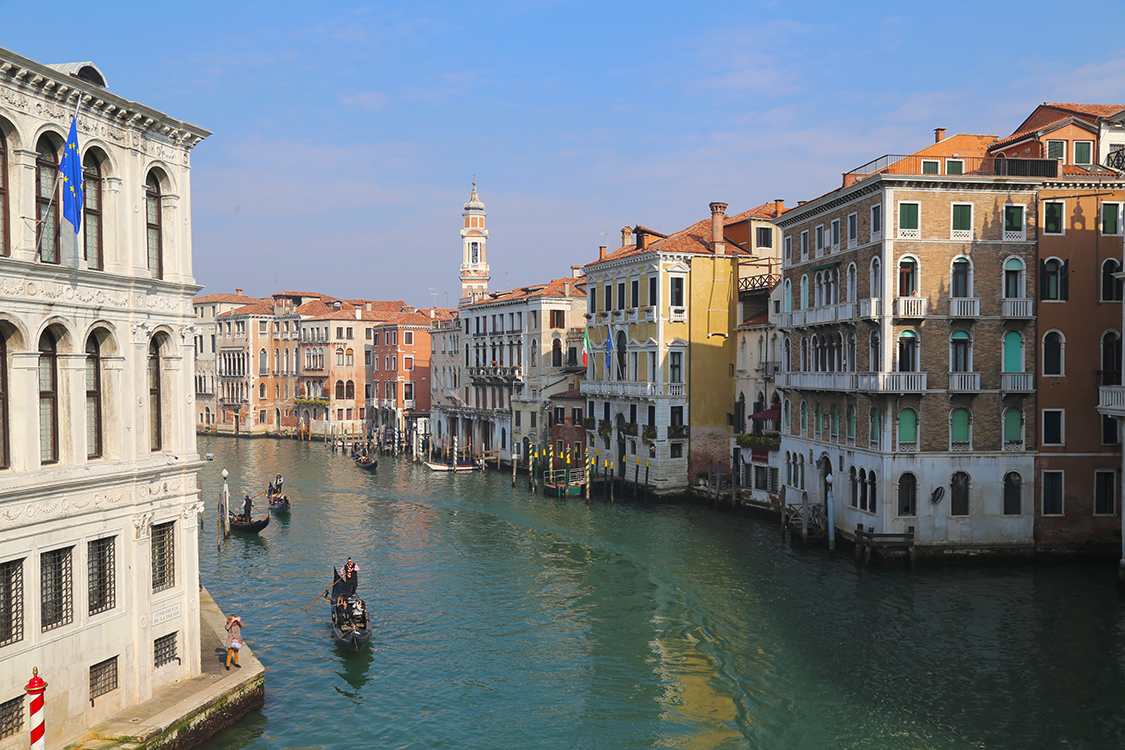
{"points": [[346, 137]]}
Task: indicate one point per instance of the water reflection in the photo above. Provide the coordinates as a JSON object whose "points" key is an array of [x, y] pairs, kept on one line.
{"points": [[355, 668]]}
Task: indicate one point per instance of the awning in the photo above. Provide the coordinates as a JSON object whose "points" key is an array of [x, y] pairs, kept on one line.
{"points": [[774, 413]]}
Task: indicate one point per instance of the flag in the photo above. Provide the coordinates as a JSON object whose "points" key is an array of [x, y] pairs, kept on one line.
{"points": [[586, 349], [608, 349], [70, 170]]}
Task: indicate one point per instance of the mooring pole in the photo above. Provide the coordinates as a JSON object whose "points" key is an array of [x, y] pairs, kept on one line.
{"points": [[646, 480], [636, 477], [35, 688]]}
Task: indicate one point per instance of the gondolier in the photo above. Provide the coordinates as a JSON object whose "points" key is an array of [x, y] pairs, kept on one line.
{"points": [[350, 574]]}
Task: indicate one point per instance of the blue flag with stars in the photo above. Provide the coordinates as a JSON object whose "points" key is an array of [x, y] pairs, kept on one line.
{"points": [[70, 171], [608, 350]]}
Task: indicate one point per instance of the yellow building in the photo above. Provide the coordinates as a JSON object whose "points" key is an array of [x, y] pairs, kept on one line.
{"points": [[661, 314]]}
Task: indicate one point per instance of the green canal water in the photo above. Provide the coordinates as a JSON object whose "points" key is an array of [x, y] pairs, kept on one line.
{"points": [[509, 620]]}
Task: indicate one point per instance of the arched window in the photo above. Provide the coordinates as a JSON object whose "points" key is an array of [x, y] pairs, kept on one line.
{"points": [[48, 398], [349, 358], [92, 211], [960, 352], [155, 398], [876, 280], [961, 280], [854, 484], [622, 345], [863, 489], [1013, 352], [804, 417], [871, 487], [960, 434], [263, 362], [1013, 488], [851, 423], [1013, 430], [907, 277], [788, 415], [47, 210], [1053, 279], [5, 250], [851, 292], [1111, 286], [339, 357], [5, 457], [959, 494], [818, 423], [339, 389], [835, 422], [1111, 358], [787, 298], [153, 225], [907, 429], [1013, 278], [1053, 353], [804, 292], [93, 398], [276, 359], [261, 391], [875, 353], [876, 428], [535, 354], [907, 352], [349, 389], [908, 495]]}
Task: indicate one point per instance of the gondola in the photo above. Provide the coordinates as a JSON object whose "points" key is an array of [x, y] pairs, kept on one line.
{"points": [[352, 631], [279, 503], [459, 466], [253, 527], [367, 464]]}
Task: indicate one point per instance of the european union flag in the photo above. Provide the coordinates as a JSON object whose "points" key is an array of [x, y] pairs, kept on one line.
{"points": [[70, 170], [608, 349]]}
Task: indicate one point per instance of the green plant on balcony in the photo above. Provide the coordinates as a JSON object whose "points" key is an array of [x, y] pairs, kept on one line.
{"points": [[630, 429], [677, 431], [589, 423], [605, 428], [768, 441], [648, 434], [310, 401]]}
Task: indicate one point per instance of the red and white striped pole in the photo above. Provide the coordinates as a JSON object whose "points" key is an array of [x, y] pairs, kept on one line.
{"points": [[35, 688]]}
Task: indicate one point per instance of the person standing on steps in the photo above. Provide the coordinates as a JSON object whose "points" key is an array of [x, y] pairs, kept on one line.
{"points": [[234, 639]]}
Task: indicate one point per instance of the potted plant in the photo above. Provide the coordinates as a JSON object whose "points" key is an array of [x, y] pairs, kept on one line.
{"points": [[648, 435]]}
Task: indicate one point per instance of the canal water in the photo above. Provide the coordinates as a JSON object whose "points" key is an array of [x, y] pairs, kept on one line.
{"points": [[509, 620]]}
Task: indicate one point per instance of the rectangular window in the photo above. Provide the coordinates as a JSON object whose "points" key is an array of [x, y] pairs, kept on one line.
{"points": [[558, 317], [102, 563], [835, 234], [1052, 493], [11, 602], [634, 294], [163, 556], [1013, 222], [930, 166], [652, 291], [1105, 493], [620, 296], [876, 220], [517, 415], [675, 367], [11, 715], [908, 220], [408, 338], [805, 245], [962, 220], [576, 416], [592, 307], [103, 677], [787, 245], [954, 167], [765, 237], [676, 450], [263, 327], [676, 296], [1056, 149], [608, 300], [1083, 152], [959, 494], [164, 650], [408, 362], [560, 415], [1052, 427], [1053, 217], [1111, 218], [375, 336], [853, 229], [819, 239], [534, 419], [57, 588]]}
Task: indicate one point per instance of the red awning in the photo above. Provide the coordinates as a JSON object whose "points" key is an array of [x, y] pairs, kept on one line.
{"points": [[774, 412]]}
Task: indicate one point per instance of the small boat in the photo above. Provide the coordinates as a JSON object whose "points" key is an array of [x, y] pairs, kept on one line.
{"points": [[253, 527], [279, 503], [459, 466], [350, 623], [369, 463]]}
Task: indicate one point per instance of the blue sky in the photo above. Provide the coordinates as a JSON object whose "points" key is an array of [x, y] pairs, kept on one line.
{"points": [[346, 137]]}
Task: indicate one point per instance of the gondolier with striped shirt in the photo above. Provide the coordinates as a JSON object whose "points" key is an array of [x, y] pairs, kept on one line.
{"points": [[350, 575]]}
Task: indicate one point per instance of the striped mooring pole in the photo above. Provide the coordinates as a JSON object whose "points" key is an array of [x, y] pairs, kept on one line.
{"points": [[35, 688]]}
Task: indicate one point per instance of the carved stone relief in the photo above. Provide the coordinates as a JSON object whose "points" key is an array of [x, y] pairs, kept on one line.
{"points": [[143, 525]]}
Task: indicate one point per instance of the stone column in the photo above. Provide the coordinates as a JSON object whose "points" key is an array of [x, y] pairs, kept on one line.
{"points": [[72, 407], [23, 388]]}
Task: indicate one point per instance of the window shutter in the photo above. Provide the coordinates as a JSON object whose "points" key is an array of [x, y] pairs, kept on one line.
{"points": [[1064, 274]]}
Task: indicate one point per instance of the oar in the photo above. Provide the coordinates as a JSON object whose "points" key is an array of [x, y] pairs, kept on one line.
{"points": [[314, 601]]}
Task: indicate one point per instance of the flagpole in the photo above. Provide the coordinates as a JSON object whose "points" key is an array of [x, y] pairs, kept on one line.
{"points": [[55, 192]]}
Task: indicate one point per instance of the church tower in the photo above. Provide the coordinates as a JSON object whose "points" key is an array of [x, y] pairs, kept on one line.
{"points": [[474, 261]]}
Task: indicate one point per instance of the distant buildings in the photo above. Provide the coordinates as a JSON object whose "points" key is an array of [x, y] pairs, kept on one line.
{"points": [[99, 507]]}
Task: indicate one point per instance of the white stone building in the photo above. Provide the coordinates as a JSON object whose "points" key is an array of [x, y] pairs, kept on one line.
{"points": [[207, 309], [99, 506]]}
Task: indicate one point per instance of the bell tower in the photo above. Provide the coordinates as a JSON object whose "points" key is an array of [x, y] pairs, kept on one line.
{"points": [[474, 260]]}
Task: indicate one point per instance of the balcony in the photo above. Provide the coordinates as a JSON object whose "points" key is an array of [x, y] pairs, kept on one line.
{"points": [[815, 315], [785, 320], [496, 373], [1016, 308], [769, 368], [677, 314], [892, 382], [635, 389], [870, 307], [910, 307], [989, 166], [677, 431], [845, 311], [964, 382], [408, 403], [1013, 445], [648, 314], [1017, 382], [817, 381], [799, 317], [1111, 400], [964, 307], [675, 389], [1015, 235]]}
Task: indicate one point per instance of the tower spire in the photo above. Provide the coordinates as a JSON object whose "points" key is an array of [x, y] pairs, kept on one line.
{"points": [[474, 257]]}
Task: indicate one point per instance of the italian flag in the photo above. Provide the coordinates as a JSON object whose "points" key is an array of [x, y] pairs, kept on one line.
{"points": [[586, 350]]}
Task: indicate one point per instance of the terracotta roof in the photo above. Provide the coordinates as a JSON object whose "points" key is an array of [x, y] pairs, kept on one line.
{"points": [[962, 144], [553, 288], [258, 308], [764, 211], [694, 239], [1088, 170], [571, 395], [302, 294], [233, 298], [406, 319], [1094, 110], [641, 229], [1035, 131], [761, 319]]}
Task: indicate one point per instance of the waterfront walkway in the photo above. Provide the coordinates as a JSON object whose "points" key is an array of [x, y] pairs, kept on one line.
{"points": [[186, 714]]}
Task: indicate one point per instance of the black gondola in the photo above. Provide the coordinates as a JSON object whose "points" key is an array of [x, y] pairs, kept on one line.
{"points": [[279, 503], [350, 623], [369, 463], [253, 527]]}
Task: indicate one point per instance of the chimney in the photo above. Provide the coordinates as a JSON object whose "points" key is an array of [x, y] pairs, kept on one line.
{"points": [[368, 306], [358, 314], [939, 135], [576, 271], [626, 236], [718, 214], [601, 252], [433, 313], [566, 289], [238, 291], [337, 305], [778, 206]]}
